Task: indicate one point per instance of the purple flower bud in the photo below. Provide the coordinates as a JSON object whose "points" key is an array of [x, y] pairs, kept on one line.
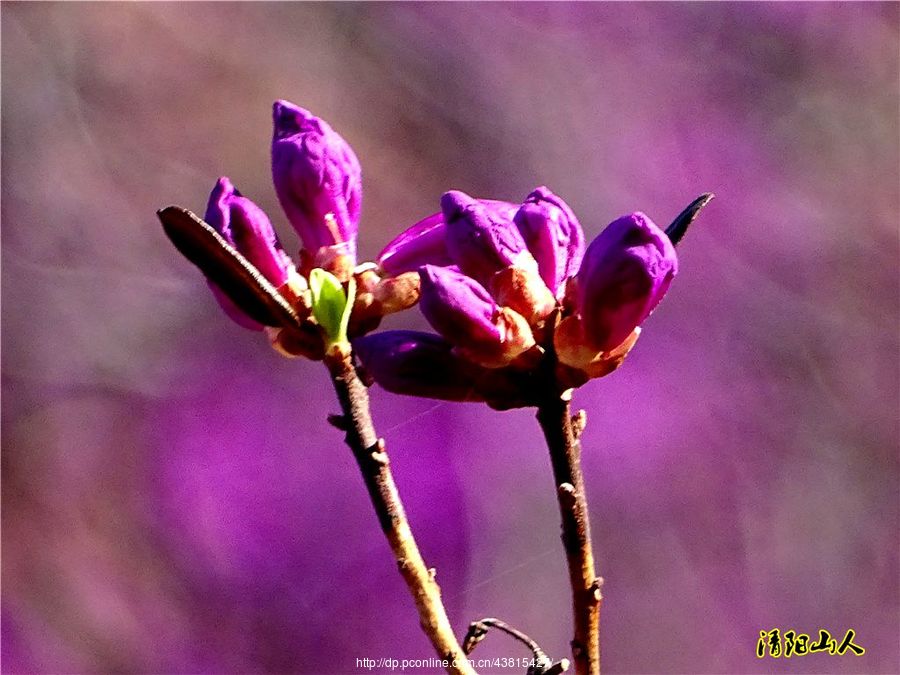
{"points": [[425, 243], [462, 311], [247, 229], [625, 273], [316, 174], [479, 241], [553, 236], [418, 364], [458, 307]]}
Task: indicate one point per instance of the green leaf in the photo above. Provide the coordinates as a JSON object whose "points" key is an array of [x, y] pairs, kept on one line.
{"points": [[329, 305], [348, 308]]}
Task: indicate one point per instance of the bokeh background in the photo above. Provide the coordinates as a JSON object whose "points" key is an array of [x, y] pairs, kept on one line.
{"points": [[173, 500]]}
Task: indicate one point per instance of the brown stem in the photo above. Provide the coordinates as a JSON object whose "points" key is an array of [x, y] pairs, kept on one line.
{"points": [[565, 455], [372, 458]]}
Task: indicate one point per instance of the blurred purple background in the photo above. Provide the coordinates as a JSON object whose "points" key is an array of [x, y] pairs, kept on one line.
{"points": [[173, 499]]}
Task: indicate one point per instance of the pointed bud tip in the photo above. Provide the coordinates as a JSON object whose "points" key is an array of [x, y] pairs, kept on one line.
{"points": [[455, 202], [224, 183], [289, 119], [541, 191], [431, 274]]}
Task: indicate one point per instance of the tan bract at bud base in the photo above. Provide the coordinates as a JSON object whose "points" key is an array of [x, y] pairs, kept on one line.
{"points": [[516, 338], [335, 259], [296, 291], [523, 289], [367, 278], [572, 349], [398, 293]]}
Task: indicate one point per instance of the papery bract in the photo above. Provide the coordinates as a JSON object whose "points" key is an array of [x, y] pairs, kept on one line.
{"points": [[425, 242], [316, 173], [625, 273], [553, 235]]}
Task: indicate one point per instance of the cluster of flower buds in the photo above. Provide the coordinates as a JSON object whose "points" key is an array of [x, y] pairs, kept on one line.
{"points": [[517, 302], [305, 307]]}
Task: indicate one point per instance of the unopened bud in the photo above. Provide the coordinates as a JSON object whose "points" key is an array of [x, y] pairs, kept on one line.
{"points": [[247, 229], [553, 235], [625, 273], [418, 364], [316, 175], [479, 241], [425, 242], [573, 350], [463, 312]]}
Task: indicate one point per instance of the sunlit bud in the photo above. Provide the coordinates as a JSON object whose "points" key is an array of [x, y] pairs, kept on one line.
{"points": [[247, 229], [425, 243], [572, 350], [625, 273], [316, 173], [553, 236], [463, 312], [479, 241]]}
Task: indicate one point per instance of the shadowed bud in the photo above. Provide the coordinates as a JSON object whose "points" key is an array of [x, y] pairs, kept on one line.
{"points": [[425, 243], [462, 311], [316, 174], [553, 236], [479, 240], [246, 228], [418, 364], [625, 273]]}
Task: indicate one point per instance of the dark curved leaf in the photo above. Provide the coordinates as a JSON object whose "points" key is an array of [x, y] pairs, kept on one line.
{"points": [[226, 268], [679, 226]]}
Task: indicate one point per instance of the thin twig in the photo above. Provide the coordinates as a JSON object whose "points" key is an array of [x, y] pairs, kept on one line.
{"points": [[541, 663], [372, 458], [557, 424]]}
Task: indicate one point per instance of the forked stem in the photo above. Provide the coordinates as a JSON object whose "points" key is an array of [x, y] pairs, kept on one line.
{"points": [[555, 418], [372, 459]]}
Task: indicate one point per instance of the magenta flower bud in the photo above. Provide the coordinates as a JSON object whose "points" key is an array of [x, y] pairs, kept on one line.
{"points": [[625, 273], [458, 307], [480, 241], [317, 178], [418, 364], [425, 243], [248, 230], [553, 236], [462, 311]]}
